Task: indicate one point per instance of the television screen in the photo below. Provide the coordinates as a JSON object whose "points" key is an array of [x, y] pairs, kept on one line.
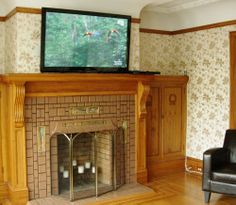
{"points": [[84, 41]]}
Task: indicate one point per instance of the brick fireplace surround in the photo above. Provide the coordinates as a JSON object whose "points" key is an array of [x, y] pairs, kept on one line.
{"points": [[48, 112], [27, 100]]}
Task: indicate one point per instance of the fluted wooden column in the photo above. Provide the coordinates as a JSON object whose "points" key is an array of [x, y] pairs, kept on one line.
{"points": [[16, 145]]}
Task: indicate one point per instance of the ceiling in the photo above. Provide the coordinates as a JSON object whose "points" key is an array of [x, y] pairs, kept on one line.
{"points": [[177, 5], [130, 7]]}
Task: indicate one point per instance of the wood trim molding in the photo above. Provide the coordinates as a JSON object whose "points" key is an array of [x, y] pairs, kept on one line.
{"points": [[205, 27], [2, 18], [3, 191], [194, 166], [22, 10], [136, 20], [154, 31], [233, 80], [188, 30]]}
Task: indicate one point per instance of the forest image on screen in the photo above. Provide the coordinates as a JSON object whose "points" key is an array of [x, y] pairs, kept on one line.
{"points": [[76, 40]]}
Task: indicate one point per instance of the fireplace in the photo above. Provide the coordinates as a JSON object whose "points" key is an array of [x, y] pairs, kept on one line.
{"points": [[79, 146], [32, 102]]}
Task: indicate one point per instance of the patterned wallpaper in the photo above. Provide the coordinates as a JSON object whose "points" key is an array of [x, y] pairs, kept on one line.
{"points": [[2, 46], [205, 57], [28, 43], [11, 44], [23, 44], [156, 53], [134, 62]]}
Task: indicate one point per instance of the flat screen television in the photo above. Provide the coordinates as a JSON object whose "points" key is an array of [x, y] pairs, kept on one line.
{"points": [[82, 41]]}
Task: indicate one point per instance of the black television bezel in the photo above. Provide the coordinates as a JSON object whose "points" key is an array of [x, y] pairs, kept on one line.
{"points": [[44, 68]]}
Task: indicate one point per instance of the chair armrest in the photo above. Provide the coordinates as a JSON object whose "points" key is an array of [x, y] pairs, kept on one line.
{"points": [[212, 158]]}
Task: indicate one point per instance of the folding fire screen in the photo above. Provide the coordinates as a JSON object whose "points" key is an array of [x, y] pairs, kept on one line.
{"points": [[87, 164]]}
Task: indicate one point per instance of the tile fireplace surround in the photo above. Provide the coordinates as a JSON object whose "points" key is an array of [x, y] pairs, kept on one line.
{"points": [[32, 103]]}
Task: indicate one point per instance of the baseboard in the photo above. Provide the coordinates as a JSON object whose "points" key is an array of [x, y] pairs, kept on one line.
{"points": [[142, 177], [194, 166], [18, 196], [6, 202], [3, 191]]}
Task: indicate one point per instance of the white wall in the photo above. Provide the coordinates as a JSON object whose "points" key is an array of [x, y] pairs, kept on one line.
{"points": [[207, 14], [6, 6]]}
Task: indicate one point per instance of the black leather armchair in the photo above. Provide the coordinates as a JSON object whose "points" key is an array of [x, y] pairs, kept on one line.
{"points": [[219, 168]]}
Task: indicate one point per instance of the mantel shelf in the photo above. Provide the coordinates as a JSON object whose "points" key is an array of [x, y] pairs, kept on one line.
{"points": [[64, 84], [31, 77]]}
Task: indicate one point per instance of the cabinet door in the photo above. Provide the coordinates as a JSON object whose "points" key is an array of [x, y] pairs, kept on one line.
{"points": [[153, 131], [172, 122]]}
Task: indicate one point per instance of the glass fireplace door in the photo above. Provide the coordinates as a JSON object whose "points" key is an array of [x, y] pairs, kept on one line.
{"points": [[84, 165]]}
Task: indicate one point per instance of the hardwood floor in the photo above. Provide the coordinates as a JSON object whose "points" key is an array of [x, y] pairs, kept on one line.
{"points": [[178, 189]]}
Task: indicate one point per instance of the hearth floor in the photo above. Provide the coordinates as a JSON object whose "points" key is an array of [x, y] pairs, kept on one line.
{"points": [[87, 190], [125, 190]]}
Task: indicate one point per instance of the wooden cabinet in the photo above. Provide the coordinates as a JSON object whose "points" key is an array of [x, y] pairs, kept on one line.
{"points": [[166, 127]]}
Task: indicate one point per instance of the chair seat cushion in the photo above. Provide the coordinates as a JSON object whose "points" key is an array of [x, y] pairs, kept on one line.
{"points": [[226, 173]]}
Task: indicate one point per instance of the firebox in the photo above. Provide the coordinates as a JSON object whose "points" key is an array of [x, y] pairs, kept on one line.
{"points": [[87, 164]]}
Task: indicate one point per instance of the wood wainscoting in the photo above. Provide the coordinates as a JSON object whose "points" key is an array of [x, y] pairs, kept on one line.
{"points": [[233, 80], [14, 89], [166, 130]]}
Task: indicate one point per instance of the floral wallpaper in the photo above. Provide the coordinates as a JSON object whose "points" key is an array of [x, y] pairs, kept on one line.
{"points": [[156, 52], [28, 43], [23, 44], [134, 62], [11, 45], [204, 55], [2, 46]]}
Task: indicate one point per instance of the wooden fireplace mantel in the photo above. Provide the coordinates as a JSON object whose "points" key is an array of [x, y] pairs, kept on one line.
{"points": [[83, 84], [15, 87]]}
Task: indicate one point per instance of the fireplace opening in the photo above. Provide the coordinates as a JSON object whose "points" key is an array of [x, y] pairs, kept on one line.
{"points": [[87, 164]]}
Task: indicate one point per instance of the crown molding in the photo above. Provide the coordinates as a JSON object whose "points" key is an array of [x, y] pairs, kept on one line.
{"points": [[154, 31], [136, 20], [205, 27], [23, 10]]}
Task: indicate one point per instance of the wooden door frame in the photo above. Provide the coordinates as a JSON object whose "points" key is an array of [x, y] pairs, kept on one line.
{"points": [[233, 79]]}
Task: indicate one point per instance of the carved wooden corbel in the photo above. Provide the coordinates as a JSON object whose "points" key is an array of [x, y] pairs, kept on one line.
{"points": [[19, 95], [143, 92]]}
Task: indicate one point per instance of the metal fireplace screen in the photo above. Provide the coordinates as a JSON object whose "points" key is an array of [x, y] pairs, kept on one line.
{"points": [[87, 164]]}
